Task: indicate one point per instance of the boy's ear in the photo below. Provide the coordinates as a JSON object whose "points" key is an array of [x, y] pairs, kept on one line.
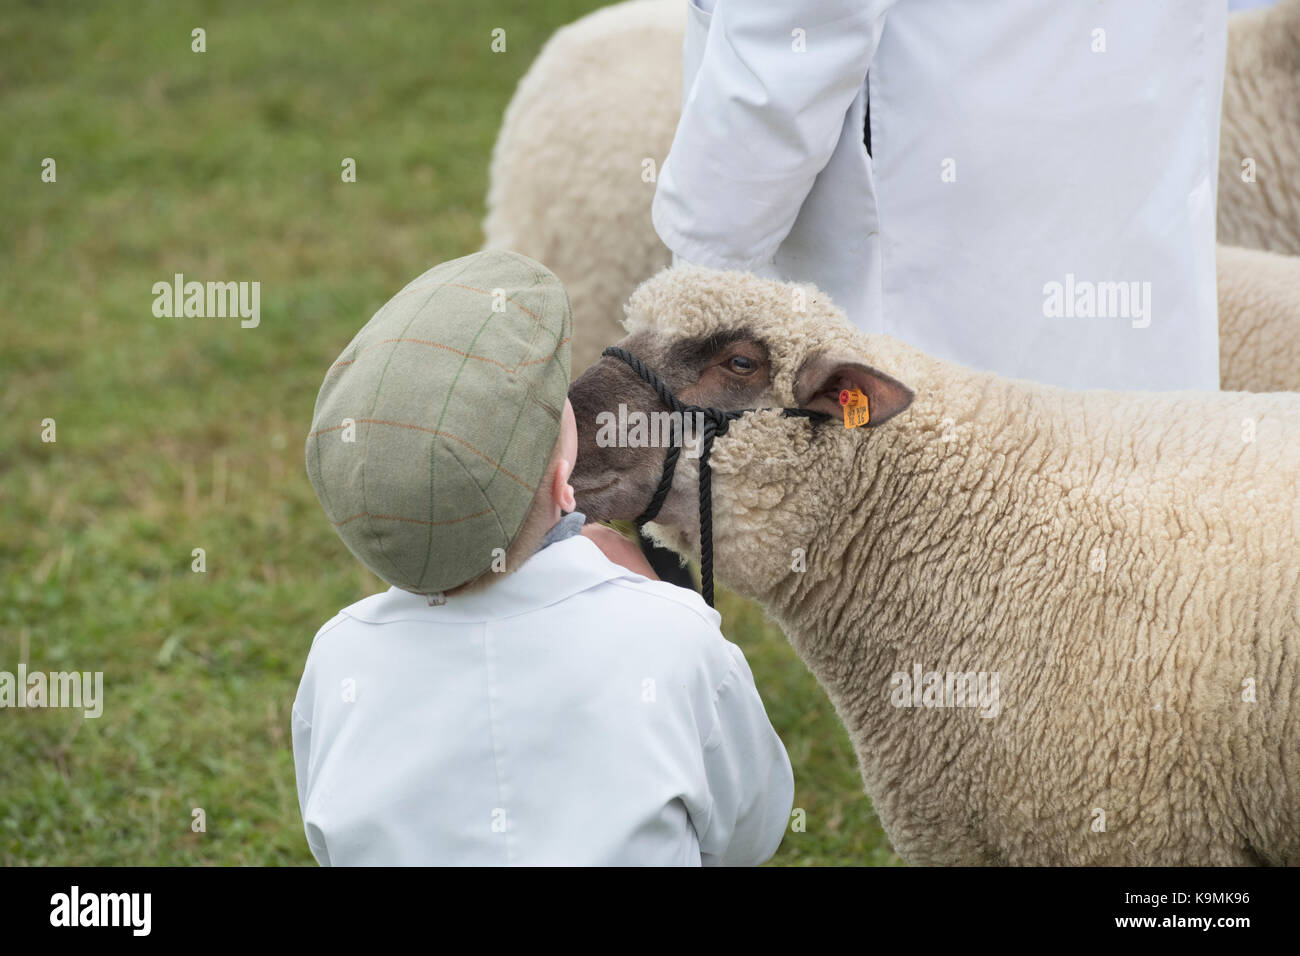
{"points": [[823, 376], [562, 492]]}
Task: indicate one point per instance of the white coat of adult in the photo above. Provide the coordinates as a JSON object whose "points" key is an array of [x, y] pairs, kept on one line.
{"points": [[573, 712], [1040, 196]]}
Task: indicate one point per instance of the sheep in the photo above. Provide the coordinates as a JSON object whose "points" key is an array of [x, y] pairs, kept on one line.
{"points": [[573, 168], [572, 172], [1123, 570]]}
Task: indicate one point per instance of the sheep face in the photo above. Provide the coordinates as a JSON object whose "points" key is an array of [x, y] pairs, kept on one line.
{"points": [[619, 465], [730, 341]]}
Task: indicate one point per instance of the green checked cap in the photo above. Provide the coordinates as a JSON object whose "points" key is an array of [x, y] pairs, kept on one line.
{"points": [[434, 428]]}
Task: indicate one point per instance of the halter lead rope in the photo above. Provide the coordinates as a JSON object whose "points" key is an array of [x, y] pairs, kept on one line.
{"points": [[716, 422]]}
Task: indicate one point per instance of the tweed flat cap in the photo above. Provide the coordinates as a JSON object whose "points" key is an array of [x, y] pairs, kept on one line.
{"points": [[433, 430]]}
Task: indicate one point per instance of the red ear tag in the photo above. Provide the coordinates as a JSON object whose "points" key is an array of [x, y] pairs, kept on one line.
{"points": [[857, 411]]}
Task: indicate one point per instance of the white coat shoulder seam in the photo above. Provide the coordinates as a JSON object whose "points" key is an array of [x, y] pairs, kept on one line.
{"points": [[635, 586]]}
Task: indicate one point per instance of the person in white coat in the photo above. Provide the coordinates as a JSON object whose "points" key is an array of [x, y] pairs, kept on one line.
{"points": [[1022, 186], [525, 693]]}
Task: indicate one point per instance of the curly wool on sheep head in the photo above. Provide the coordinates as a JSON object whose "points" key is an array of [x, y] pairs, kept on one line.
{"points": [[730, 341]]}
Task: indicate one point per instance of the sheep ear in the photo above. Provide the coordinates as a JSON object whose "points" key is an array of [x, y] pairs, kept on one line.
{"points": [[823, 377]]}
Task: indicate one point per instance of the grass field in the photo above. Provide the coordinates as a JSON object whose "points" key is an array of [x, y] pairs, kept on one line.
{"points": [[183, 433]]}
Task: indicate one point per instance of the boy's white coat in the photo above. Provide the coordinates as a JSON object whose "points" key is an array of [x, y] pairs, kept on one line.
{"points": [[571, 713], [1106, 170]]}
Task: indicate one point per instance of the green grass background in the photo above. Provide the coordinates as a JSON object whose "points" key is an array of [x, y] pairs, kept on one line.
{"points": [[175, 434]]}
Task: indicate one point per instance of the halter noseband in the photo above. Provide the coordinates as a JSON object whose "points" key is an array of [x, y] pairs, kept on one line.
{"points": [[716, 422]]}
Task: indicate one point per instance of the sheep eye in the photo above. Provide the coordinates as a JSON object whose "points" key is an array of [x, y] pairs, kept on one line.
{"points": [[742, 364]]}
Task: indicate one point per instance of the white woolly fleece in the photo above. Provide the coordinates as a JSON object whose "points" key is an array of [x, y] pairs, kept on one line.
{"points": [[1260, 131], [1259, 319], [1127, 564]]}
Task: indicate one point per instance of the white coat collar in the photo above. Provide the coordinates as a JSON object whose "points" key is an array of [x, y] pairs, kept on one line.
{"points": [[556, 572]]}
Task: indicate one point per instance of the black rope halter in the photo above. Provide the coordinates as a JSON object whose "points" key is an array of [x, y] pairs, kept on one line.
{"points": [[716, 422]]}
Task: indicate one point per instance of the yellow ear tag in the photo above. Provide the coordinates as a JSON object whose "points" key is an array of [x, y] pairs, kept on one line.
{"points": [[856, 409]]}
